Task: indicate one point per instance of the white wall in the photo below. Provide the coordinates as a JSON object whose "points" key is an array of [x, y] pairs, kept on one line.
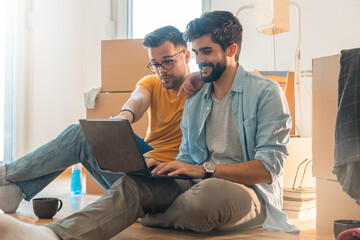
{"points": [[52, 70], [59, 59], [96, 15]]}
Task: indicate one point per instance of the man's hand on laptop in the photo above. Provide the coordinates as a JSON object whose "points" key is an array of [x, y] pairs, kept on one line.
{"points": [[152, 163], [123, 115], [179, 168]]}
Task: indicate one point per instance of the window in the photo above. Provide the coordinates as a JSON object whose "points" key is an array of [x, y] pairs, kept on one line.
{"points": [[149, 15], [146, 16], [6, 80]]}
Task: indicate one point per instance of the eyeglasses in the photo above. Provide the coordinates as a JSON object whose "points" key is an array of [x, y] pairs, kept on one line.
{"points": [[167, 64]]}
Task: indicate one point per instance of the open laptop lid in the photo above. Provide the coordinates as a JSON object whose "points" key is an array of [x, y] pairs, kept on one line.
{"points": [[114, 145]]}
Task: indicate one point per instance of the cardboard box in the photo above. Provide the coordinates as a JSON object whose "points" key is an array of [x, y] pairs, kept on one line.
{"points": [[123, 64], [92, 187], [109, 104], [332, 203], [299, 149], [325, 98]]}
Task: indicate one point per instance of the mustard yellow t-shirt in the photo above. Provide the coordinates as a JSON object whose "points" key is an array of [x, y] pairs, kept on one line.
{"points": [[165, 112]]}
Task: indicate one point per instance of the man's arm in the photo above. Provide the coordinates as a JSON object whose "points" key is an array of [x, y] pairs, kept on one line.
{"points": [[138, 103], [248, 173]]}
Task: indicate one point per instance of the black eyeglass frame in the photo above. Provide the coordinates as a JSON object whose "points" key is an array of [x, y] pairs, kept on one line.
{"points": [[155, 67]]}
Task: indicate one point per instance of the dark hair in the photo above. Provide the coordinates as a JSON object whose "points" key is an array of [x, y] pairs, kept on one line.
{"points": [[163, 34], [223, 27]]}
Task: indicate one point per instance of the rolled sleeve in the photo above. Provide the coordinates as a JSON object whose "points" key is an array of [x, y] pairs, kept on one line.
{"points": [[273, 127], [273, 162]]}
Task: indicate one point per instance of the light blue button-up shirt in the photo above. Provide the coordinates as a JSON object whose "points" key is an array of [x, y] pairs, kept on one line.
{"points": [[263, 121]]}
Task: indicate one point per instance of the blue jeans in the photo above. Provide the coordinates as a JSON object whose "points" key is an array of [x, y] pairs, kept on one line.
{"points": [[34, 171]]}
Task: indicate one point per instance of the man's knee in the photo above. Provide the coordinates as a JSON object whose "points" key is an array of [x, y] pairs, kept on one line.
{"points": [[73, 130], [211, 192], [76, 128], [128, 179], [205, 198], [217, 198]]}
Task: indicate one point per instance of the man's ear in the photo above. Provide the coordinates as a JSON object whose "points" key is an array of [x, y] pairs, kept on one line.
{"points": [[187, 56], [231, 50]]}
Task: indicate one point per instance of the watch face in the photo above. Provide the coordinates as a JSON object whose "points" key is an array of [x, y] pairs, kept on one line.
{"points": [[209, 167]]}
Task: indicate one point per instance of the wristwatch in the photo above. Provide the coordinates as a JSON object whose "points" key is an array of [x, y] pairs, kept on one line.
{"points": [[209, 168]]}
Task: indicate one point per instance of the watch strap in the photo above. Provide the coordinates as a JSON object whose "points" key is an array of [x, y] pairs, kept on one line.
{"points": [[208, 174]]}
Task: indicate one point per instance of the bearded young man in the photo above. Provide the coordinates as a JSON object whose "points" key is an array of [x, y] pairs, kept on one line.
{"points": [[235, 131]]}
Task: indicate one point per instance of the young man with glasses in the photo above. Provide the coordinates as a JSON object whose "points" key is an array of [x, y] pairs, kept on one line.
{"points": [[169, 58], [235, 131]]}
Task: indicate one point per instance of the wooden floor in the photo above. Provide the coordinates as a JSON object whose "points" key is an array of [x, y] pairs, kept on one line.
{"points": [[61, 187]]}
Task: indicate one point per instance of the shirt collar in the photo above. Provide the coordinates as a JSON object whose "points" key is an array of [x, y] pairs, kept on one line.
{"points": [[238, 84]]}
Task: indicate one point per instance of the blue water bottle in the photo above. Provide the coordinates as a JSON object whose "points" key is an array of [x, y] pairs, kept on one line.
{"points": [[76, 179]]}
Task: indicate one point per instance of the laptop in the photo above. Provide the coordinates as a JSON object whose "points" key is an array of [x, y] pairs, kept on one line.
{"points": [[116, 147]]}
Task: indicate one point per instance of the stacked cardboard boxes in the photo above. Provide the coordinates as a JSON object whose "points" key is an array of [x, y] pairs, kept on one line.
{"points": [[123, 64], [331, 202]]}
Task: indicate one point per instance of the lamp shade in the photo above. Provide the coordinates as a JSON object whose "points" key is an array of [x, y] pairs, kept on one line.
{"points": [[272, 16]]}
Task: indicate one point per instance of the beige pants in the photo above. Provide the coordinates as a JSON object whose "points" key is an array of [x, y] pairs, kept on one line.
{"points": [[204, 206]]}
